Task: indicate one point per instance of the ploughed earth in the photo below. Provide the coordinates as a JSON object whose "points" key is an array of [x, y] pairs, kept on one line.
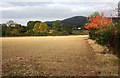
{"points": [[54, 56]]}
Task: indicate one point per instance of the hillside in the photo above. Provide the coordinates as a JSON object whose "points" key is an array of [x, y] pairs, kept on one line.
{"points": [[76, 21]]}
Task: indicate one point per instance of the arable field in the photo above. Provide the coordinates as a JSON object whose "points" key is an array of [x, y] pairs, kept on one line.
{"points": [[53, 56]]}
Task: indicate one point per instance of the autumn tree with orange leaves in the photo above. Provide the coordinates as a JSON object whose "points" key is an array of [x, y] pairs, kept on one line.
{"points": [[97, 22]]}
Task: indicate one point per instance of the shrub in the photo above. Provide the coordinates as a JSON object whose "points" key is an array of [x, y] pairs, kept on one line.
{"points": [[117, 38], [92, 34], [105, 35], [102, 38], [109, 36]]}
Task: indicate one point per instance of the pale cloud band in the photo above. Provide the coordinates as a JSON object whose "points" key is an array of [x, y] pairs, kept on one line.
{"points": [[59, 0]]}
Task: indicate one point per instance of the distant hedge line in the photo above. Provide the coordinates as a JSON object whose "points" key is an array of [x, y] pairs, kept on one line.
{"points": [[34, 28]]}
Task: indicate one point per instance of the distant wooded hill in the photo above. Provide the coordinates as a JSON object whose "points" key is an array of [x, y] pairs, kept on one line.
{"points": [[76, 21]]}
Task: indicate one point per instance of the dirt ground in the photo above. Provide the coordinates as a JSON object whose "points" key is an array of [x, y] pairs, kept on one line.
{"points": [[53, 56]]}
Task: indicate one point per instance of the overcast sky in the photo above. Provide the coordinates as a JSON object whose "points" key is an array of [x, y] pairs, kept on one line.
{"points": [[21, 11]]}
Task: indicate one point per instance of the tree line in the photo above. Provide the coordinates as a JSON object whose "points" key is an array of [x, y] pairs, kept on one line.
{"points": [[35, 28]]}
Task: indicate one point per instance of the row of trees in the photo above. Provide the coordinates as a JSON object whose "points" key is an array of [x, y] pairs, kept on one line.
{"points": [[35, 28]]}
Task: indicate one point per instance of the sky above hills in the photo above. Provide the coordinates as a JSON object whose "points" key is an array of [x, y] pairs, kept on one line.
{"points": [[22, 11]]}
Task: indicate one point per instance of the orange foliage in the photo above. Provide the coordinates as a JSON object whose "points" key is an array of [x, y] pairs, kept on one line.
{"points": [[99, 21]]}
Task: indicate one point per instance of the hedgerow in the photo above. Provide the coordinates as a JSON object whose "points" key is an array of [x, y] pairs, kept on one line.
{"points": [[104, 31]]}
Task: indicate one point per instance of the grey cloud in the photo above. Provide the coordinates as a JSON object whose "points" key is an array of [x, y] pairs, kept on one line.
{"points": [[24, 11], [30, 3]]}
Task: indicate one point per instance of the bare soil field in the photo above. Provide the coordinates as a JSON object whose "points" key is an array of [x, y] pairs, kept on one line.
{"points": [[54, 56]]}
